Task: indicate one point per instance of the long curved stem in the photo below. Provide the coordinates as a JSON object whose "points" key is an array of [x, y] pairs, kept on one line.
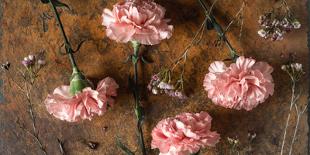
{"points": [[218, 29], [67, 43], [138, 108]]}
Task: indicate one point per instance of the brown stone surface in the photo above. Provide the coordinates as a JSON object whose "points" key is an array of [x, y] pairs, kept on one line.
{"points": [[22, 34]]}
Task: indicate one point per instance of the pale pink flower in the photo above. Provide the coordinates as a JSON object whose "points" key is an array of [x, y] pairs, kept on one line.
{"points": [[184, 134], [83, 105], [137, 20], [242, 85]]}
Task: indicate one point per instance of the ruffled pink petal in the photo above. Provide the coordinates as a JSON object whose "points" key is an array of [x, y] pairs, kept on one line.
{"points": [[184, 134], [84, 105], [120, 32], [141, 21], [244, 63], [108, 17], [217, 67], [242, 85]]}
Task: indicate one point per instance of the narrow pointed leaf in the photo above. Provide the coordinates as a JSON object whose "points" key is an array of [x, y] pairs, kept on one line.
{"points": [[56, 3], [145, 61], [79, 46], [60, 4], [123, 147]]}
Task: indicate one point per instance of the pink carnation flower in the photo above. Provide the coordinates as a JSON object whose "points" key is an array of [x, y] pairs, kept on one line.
{"points": [[137, 20], [242, 85], [83, 105], [184, 134]]}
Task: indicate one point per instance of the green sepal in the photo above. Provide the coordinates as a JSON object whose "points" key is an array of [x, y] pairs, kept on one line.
{"points": [[134, 59], [78, 82]]}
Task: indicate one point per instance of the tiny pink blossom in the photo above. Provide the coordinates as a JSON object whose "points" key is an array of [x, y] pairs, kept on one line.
{"points": [[184, 134], [242, 85], [137, 20], [83, 105]]}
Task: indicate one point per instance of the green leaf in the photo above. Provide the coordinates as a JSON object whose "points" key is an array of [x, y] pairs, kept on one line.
{"points": [[45, 1], [123, 147], [145, 61], [209, 25], [140, 114], [79, 46], [134, 59]]}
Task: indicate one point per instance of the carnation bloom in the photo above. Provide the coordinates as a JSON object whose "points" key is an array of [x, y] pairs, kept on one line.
{"points": [[184, 134], [137, 20], [242, 85], [83, 105]]}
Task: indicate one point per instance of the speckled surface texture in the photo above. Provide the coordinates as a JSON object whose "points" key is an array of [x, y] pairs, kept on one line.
{"points": [[21, 33]]}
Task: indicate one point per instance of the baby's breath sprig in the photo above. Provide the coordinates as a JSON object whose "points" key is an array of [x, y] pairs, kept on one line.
{"points": [[276, 23], [32, 65], [295, 72]]}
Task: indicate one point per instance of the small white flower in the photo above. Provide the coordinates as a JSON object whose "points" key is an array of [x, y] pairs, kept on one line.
{"points": [[155, 91], [296, 24], [283, 67], [297, 66], [41, 62], [164, 85], [26, 59], [262, 33], [31, 57]]}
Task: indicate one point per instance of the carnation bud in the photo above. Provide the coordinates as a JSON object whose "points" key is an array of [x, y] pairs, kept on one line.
{"points": [[283, 67]]}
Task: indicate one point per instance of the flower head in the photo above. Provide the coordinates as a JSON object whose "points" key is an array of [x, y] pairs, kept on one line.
{"points": [[137, 20], [295, 71], [160, 84], [82, 105], [242, 85], [184, 134], [274, 28], [33, 60]]}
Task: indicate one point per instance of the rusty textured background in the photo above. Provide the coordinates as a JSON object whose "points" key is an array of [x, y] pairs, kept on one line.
{"points": [[22, 33]]}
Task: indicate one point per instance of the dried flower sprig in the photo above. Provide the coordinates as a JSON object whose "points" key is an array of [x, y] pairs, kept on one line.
{"points": [[236, 147], [165, 77], [238, 19], [29, 73], [177, 85], [161, 84], [295, 72], [277, 23]]}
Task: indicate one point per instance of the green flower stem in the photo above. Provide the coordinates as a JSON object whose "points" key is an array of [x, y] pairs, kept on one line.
{"points": [[78, 81], [138, 109], [68, 47], [219, 30]]}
